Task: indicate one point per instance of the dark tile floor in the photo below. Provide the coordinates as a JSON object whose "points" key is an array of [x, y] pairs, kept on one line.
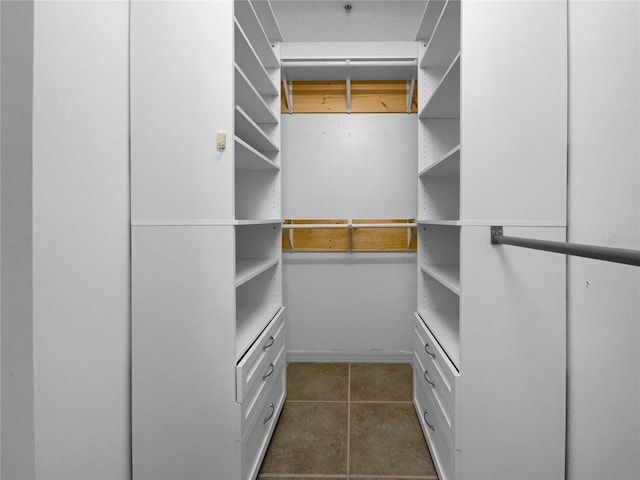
{"points": [[348, 421]]}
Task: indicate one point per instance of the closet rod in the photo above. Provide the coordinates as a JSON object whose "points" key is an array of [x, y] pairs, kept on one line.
{"points": [[347, 63], [288, 226], [607, 254]]}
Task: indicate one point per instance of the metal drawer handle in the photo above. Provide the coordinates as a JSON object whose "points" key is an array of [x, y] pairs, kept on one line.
{"points": [[269, 372], [271, 342], [426, 377], [273, 410], [426, 349], [426, 412]]}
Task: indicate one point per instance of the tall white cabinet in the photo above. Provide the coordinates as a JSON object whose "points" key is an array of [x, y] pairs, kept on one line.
{"points": [[208, 328], [489, 340]]}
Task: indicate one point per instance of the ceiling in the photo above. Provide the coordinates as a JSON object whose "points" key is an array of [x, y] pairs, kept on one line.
{"points": [[327, 20]]}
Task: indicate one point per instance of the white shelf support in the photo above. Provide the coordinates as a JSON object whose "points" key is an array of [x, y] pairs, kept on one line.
{"points": [[410, 86], [350, 225], [288, 92], [348, 89], [412, 234]]}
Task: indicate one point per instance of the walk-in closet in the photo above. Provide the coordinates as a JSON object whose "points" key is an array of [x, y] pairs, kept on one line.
{"points": [[312, 239], [258, 170]]}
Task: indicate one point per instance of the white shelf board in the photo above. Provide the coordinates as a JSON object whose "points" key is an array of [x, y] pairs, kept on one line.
{"points": [[248, 268], [296, 70], [444, 102], [445, 327], [452, 223], [247, 18], [248, 158], [449, 164], [251, 133], [267, 221], [445, 41], [251, 320], [203, 222], [267, 18], [250, 100], [447, 275], [249, 62], [481, 223], [429, 19]]}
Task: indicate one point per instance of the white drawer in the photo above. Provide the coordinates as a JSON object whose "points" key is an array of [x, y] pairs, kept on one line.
{"points": [[255, 399], [255, 363], [439, 414], [255, 441], [440, 372], [441, 448]]}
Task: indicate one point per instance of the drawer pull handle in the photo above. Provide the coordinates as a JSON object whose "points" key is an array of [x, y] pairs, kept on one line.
{"points": [[426, 377], [273, 410], [426, 349], [268, 345], [269, 372], [426, 412]]}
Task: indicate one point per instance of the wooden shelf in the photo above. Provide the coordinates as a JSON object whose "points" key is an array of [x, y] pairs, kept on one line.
{"points": [[445, 100], [248, 268], [248, 158], [445, 41], [251, 320], [248, 60], [447, 275], [445, 327], [448, 164], [246, 16], [252, 133], [248, 98]]}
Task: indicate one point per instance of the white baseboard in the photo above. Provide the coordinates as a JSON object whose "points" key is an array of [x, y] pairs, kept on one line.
{"points": [[331, 356]]}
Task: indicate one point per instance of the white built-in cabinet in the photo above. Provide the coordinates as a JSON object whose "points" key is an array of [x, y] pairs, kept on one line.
{"points": [[489, 340], [208, 326]]}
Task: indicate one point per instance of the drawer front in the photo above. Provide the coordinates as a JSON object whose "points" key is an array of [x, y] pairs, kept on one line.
{"points": [[439, 413], [256, 440], [440, 371], [440, 446], [255, 399], [255, 362]]}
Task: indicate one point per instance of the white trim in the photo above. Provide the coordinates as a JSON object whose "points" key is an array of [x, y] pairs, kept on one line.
{"points": [[339, 356]]}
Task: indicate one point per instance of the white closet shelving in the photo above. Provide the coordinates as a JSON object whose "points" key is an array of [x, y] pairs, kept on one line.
{"points": [[481, 313], [208, 317]]}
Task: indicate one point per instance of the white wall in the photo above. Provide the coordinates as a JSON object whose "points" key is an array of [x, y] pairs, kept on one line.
{"points": [[341, 305], [603, 431], [17, 269], [81, 240]]}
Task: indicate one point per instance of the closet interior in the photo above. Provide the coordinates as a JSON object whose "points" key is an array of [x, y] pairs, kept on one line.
{"points": [[218, 153]]}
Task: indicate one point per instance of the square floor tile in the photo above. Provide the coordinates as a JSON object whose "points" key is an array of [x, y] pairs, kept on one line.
{"points": [[310, 438], [318, 381], [386, 439], [381, 382]]}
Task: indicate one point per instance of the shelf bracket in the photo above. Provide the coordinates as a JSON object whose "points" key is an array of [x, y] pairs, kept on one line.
{"points": [[288, 92], [412, 234], [348, 90], [290, 239], [350, 235], [410, 86]]}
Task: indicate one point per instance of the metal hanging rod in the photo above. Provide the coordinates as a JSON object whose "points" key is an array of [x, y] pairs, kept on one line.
{"points": [[607, 254], [349, 62], [288, 226]]}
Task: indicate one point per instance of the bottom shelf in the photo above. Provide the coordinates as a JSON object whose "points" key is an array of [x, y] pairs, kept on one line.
{"points": [[251, 319], [445, 327]]}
